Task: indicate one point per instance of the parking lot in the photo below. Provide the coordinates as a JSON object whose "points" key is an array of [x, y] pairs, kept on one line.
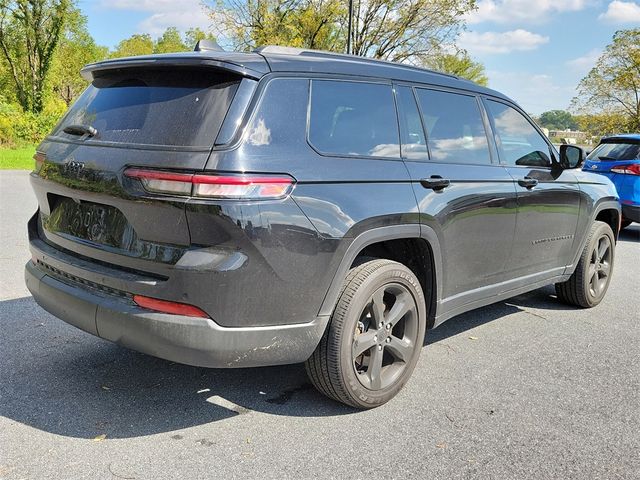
{"points": [[526, 388]]}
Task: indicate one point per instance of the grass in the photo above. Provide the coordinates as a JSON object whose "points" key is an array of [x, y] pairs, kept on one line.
{"points": [[17, 158]]}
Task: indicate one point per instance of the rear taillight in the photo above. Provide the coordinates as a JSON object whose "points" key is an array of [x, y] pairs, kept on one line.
{"points": [[633, 169], [243, 187], [164, 306]]}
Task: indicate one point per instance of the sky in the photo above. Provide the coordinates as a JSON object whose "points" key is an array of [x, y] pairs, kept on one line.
{"points": [[535, 51]]}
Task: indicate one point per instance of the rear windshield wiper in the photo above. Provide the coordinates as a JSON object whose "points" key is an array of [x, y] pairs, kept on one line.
{"points": [[80, 130]]}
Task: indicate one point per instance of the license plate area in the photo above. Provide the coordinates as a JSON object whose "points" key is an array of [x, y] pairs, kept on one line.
{"points": [[93, 222]]}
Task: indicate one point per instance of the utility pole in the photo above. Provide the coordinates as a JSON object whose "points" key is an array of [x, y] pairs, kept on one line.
{"points": [[349, 27]]}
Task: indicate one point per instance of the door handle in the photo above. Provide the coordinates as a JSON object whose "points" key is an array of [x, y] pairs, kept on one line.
{"points": [[527, 182], [435, 182]]}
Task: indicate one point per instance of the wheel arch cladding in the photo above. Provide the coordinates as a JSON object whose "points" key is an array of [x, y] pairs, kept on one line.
{"points": [[402, 244], [611, 217]]}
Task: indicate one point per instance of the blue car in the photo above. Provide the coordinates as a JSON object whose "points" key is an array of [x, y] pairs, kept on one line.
{"points": [[618, 157]]}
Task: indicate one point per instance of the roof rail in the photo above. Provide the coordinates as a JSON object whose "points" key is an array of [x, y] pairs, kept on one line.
{"points": [[286, 50], [205, 45], [278, 50]]}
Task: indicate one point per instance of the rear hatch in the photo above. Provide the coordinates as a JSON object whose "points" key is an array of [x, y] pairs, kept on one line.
{"points": [[152, 116], [612, 154]]}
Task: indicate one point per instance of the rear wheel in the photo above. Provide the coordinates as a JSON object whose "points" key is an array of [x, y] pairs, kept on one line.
{"points": [[590, 281], [374, 338]]}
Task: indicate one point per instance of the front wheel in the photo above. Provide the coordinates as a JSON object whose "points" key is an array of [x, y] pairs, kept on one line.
{"points": [[374, 337], [589, 283]]}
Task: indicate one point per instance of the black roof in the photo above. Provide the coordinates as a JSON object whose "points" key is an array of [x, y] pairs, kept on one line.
{"points": [[285, 59]]}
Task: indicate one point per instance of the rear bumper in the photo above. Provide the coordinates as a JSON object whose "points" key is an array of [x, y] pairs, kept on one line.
{"points": [[631, 212], [193, 341]]}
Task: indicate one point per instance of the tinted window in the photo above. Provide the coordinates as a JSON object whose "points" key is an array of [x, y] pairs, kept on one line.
{"points": [[454, 125], [615, 151], [178, 107], [519, 143], [414, 145], [353, 118]]}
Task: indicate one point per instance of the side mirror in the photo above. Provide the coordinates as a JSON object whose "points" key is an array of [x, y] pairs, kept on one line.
{"points": [[571, 156]]}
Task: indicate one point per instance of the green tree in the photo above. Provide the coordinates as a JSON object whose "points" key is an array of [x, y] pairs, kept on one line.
{"points": [[77, 48], [558, 120], [30, 31], [407, 30], [137, 44], [398, 30], [460, 64], [598, 125], [295, 23], [170, 42], [194, 35], [611, 90]]}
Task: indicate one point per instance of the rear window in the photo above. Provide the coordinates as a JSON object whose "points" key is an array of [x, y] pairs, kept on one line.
{"points": [[609, 152], [353, 118], [177, 107]]}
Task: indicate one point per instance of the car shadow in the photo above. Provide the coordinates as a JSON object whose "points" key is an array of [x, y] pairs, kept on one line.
{"points": [[630, 234], [64, 381]]}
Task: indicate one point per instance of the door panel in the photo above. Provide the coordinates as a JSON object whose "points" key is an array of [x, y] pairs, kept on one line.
{"points": [[475, 217], [461, 195], [548, 197], [546, 222]]}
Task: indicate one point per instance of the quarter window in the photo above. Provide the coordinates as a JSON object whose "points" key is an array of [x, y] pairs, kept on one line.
{"points": [[414, 144], [353, 118], [455, 130], [519, 143]]}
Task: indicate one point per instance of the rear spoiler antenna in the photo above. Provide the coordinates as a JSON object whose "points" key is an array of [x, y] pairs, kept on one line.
{"points": [[208, 46]]}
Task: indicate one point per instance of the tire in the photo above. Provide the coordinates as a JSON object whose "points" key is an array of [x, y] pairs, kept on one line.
{"points": [[625, 224], [357, 362], [589, 283]]}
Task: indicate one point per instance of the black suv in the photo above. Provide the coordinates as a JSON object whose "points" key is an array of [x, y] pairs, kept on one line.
{"points": [[243, 209]]}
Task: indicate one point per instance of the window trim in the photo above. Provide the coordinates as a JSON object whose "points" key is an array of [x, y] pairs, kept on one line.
{"points": [[387, 83], [412, 93], [552, 149], [481, 111]]}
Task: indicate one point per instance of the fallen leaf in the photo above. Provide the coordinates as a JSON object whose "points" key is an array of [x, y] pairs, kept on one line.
{"points": [[441, 445], [100, 438], [104, 387], [473, 338]]}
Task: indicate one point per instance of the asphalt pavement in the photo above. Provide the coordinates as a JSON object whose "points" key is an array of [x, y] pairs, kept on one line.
{"points": [[526, 388]]}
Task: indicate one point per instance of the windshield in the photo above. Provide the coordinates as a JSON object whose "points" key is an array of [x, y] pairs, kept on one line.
{"points": [[177, 107], [610, 152]]}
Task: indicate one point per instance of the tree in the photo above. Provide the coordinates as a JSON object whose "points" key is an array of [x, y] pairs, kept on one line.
{"points": [[558, 120], [460, 64], [136, 44], [76, 49], [30, 31], [612, 88], [406, 30], [398, 30], [194, 35], [598, 125], [295, 23], [170, 42]]}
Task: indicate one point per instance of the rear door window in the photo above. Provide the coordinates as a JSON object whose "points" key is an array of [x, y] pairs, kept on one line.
{"points": [[454, 125], [353, 118], [177, 107], [519, 143]]}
